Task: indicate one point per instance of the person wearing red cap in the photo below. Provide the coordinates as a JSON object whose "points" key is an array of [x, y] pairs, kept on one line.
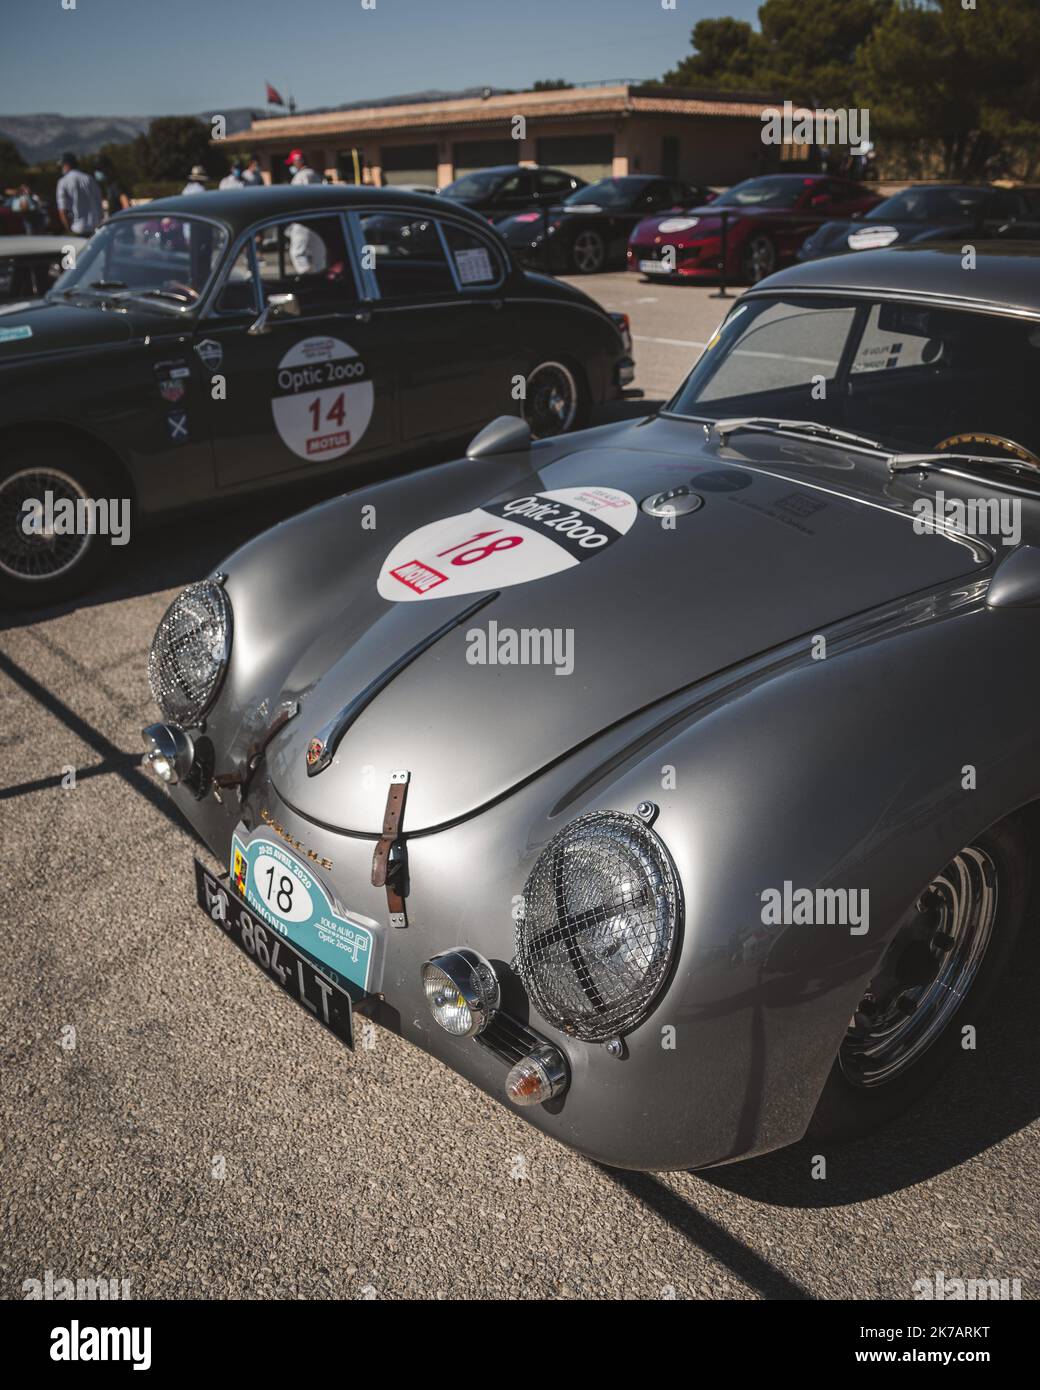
{"points": [[306, 248], [302, 171]]}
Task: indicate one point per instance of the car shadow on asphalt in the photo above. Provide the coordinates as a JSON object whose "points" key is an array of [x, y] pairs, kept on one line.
{"points": [[987, 1096]]}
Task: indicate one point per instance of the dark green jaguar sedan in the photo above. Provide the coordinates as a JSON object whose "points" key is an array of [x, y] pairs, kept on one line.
{"points": [[209, 346]]}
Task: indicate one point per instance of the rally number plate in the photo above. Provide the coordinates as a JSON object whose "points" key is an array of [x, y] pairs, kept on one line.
{"points": [[275, 956]]}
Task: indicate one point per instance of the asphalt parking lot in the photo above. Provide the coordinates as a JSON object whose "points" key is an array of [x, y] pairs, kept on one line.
{"points": [[170, 1118]]}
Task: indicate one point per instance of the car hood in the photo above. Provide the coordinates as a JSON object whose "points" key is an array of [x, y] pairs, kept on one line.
{"points": [[40, 325], [625, 621], [858, 234]]}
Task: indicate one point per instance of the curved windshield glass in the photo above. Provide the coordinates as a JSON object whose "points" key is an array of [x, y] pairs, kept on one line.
{"points": [[477, 185], [928, 205], [771, 191], [607, 193], [908, 375], [168, 261]]}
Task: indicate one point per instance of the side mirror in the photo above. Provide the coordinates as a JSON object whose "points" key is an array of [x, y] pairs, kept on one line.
{"points": [[278, 306], [509, 434]]}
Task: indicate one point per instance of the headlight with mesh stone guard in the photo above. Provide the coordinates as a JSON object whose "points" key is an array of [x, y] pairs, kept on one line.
{"points": [[601, 915], [190, 652]]}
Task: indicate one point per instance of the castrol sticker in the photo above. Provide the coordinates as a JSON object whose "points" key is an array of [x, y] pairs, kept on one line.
{"points": [[504, 543], [323, 399]]}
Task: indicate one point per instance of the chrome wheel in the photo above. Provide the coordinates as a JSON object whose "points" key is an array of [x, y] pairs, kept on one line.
{"points": [[551, 400], [925, 974], [47, 550], [760, 258], [588, 252]]}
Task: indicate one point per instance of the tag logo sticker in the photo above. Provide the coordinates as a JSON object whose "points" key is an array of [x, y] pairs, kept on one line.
{"points": [[505, 543]]}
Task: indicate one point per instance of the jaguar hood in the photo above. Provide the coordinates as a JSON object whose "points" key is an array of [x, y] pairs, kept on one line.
{"points": [[541, 607], [41, 325]]}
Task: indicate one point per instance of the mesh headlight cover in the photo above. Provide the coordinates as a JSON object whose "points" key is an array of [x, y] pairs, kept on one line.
{"points": [[600, 920], [190, 652]]}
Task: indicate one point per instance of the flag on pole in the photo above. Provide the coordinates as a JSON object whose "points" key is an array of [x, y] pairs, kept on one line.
{"points": [[274, 96]]}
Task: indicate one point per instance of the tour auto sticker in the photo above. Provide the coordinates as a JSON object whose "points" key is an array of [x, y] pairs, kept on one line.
{"points": [[300, 910], [323, 400], [505, 543]]}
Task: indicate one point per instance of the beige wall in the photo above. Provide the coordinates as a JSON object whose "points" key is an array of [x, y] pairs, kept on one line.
{"points": [[711, 149]]}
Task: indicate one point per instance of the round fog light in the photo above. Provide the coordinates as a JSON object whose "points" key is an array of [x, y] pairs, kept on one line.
{"points": [[171, 752], [462, 992], [537, 1077]]}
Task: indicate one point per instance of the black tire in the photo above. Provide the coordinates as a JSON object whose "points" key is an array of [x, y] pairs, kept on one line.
{"points": [[588, 254], [758, 259], [847, 1106], [556, 398], [38, 570]]}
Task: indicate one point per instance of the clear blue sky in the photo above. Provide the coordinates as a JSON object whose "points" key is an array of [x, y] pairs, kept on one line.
{"points": [[157, 57]]}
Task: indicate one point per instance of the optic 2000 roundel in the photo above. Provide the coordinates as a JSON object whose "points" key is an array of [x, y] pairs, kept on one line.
{"points": [[506, 543], [323, 398]]}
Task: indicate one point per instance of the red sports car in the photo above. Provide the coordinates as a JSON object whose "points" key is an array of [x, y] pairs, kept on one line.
{"points": [[767, 219]]}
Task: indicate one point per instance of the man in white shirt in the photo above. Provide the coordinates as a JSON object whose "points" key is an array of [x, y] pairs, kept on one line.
{"points": [[306, 248], [234, 179], [197, 180], [78, 198]]}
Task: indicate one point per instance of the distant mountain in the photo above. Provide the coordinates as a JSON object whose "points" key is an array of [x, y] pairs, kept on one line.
{"points": [[47, 135]]}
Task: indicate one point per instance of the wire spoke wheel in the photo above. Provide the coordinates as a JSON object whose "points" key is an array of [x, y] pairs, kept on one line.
{"points": [[551, 400], [36, 547], [925, 974]]}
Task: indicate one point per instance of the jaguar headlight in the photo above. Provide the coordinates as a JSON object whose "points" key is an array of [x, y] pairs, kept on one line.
{"points": [[601, 916], [190, 652]]}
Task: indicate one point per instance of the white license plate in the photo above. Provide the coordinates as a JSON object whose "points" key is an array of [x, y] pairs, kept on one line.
{"points": [[654, 268]]}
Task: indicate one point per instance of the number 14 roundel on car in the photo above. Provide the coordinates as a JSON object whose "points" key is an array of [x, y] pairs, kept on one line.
{"points": [[504, 543]]}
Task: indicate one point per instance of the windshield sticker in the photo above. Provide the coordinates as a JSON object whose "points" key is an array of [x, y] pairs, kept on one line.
{"points": [[280, 890], [323, 400], [506, 543], [22, 330], [473, 266]]}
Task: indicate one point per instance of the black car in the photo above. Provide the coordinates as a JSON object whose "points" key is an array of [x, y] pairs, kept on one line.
{"points": [[506, 189], [930, 212], [211, 346], [589, 231]]}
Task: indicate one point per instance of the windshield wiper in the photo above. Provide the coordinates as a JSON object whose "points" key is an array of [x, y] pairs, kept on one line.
{"points": [[813, 427], [912, 463]]}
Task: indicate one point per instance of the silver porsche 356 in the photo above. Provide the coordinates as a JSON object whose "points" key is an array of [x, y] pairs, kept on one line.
{"points": [[671, 781]]}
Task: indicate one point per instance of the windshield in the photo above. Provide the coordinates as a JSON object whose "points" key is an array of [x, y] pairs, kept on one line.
{"points": [[168, 260], [773, 191], [608, 193], [477, 185], [909, 375], [928, 205]]}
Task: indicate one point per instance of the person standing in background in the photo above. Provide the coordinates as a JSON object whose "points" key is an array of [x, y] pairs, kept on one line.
{"points": [[301, 170], [78, 198], [197, 180], [234, 179], [114, 195], [251, 175]]}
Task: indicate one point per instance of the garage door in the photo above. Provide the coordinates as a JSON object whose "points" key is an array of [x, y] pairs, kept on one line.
{"points": [[482, 154], [410, 164], [591, 157]]}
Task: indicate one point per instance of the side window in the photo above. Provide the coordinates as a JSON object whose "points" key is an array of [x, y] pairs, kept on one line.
{"points": [[553, 184], [516, 186], [307, 259], [238, 295], [475, 264], [656, 196], [404, 252]]}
